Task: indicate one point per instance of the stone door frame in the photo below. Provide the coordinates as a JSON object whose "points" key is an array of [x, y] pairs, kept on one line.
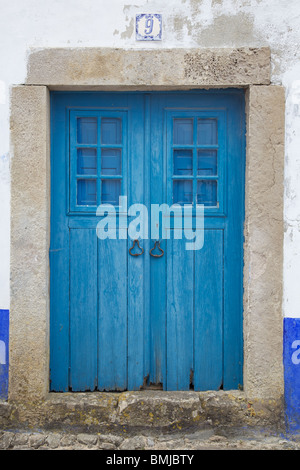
{"points": [[175, 69]]}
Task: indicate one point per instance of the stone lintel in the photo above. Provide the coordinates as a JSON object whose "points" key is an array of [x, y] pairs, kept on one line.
{"points": [[148, 69]]}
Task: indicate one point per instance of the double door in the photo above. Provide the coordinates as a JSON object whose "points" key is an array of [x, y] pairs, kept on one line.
{"points": [[146, 257]]}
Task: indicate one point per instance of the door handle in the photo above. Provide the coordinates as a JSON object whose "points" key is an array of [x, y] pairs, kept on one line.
{"points": [[133, 245], [157, 243]]}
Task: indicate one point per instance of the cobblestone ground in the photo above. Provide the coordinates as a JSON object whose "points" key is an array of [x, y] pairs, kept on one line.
{"points": [[201, 440]]}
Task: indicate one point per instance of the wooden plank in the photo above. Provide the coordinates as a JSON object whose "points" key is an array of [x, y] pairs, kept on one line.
{"points": [[138, 333], [208, 335], [157, 282], [147, 142], [59, 254], [233, 263], [180, 300], [112, 285], [59, 319], [158, 318], [83, 309]]}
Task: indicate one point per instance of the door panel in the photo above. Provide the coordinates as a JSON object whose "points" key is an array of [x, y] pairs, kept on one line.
{"points": [[112, 327], [208, 340], [123, 322], [83, 309], [180, 313]]}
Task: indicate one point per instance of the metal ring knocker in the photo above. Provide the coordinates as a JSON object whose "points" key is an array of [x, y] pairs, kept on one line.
{"points": [[160, 249], [138, 244]]}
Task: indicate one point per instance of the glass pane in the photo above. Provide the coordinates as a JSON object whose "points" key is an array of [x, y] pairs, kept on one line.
{"points": [[110, 192], [183, 191], [87, 130], [86, 161], [183, 131], [111, 131], [183, 162], [207, 162], [207, 193], [111, 162], [87, 192], [207, 132]]}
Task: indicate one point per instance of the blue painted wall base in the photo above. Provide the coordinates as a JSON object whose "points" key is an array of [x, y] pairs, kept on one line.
{"points": [[4, 329], [291, 360]]}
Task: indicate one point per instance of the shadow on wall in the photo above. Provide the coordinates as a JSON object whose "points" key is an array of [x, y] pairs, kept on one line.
{"points": [[291, 359], [4, 328]]}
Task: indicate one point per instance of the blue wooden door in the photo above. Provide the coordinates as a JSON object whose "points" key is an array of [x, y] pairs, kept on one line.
{"points": [[173, 321]]}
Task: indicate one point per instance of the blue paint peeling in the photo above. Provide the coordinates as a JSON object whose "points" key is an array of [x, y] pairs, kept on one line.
{"points": [[291, 360], [4, 331]]}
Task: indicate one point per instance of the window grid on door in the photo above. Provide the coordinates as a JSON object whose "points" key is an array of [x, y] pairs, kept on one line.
{"points": [[97, 148], [195, 161]]}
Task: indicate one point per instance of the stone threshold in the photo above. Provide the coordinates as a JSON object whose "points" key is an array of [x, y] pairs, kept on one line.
{"points": [[132, 412]]}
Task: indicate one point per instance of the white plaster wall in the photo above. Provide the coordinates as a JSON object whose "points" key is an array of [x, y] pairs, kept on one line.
{"points": [[196, 23]]}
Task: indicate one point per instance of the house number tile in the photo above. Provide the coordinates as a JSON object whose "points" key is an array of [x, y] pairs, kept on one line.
{"points": [[148, 27]]}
